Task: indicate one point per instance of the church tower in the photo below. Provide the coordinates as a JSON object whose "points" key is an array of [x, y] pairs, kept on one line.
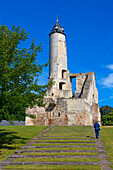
{"points": [[58, 61]]}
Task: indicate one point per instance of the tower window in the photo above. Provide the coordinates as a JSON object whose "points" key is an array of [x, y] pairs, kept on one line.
{"points": [[60, 86], [59, 114], [64, 74]]}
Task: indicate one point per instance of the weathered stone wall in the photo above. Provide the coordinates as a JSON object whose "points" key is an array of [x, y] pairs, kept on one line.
{"points": [[96, 113], [69, 111], [40, 116], [79, 112], [60, 113]]}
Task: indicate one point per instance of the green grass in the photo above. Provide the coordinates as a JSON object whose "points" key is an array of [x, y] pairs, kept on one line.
{"points": [[58, 141], [56, 160], [65, 148], [54, 144], [54, 167], [63, 153], [13, 137], [62, 144], [70, 131], [66, 134], [67, 137], [106, 135]]}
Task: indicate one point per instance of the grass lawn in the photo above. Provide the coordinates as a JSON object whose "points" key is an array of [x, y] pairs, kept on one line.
{"points": [[69, 137], [106, 134], [77, 133], [54, 167], [70, 131], [54, 144], [63, 153], [64, 148], [64, 141], [13, 137], [56, 160]]}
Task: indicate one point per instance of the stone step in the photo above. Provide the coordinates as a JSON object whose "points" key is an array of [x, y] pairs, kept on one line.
{"points": [[69, 136], [54, 151], [48, 163], [61, 142], [50, 156], [101, 156], [66, 139], [108, 168], [45, 142], [100, 151], [58, 146], [104, 163]]}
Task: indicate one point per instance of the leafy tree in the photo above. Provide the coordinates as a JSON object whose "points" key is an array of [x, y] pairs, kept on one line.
{"points": [[108, 119], [19, 72], [106, 115]]}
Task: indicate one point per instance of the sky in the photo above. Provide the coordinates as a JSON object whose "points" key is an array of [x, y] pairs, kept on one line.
{"points": [[88, 25]]}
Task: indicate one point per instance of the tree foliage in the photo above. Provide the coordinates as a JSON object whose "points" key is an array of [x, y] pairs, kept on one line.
{"points": [[106, 115], [19, 72]]}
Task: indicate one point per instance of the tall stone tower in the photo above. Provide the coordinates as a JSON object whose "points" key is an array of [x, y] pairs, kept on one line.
{"points": [[58, 61], [62, 107]]}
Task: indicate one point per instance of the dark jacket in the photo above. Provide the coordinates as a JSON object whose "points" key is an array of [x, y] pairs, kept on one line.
{"points": [[97, 126]]}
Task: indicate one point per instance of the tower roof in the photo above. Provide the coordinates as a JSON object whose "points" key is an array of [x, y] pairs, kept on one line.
{"points": [[57, 28]]}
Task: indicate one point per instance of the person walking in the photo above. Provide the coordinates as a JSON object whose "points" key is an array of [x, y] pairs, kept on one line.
{"points": [[97, 128]]}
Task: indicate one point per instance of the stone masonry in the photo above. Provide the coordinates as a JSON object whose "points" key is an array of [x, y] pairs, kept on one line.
{"points": [[62, 107]]}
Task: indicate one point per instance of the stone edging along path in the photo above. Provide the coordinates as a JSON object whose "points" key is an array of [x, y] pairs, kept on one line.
{"points": [[104, 163]]}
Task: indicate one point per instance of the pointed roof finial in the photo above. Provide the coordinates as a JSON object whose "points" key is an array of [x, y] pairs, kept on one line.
{"points": [[57, 28], [57, 19]]}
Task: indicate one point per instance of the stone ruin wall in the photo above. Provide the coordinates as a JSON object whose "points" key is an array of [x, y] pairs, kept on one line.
{"points": [[70, 111]]}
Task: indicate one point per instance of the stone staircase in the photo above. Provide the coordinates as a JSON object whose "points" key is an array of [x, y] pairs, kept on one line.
{"points": [[50, 145]]}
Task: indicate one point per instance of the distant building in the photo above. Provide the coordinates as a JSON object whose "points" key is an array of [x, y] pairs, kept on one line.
{"points": [[62, 107]]}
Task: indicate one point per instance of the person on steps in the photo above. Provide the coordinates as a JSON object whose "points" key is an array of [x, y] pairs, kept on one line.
{"points": [[97, 128]]}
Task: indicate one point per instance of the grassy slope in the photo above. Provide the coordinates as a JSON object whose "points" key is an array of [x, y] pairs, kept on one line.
{"points": [[106, 135], [62, 153], [56, 160], [54, 167], [67, 131], [13, 137]]}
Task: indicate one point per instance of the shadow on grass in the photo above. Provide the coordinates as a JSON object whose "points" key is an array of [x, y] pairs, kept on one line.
{"points": [[8, 140]]}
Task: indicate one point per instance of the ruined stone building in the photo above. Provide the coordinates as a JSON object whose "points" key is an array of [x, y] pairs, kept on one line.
{"points": [[64, 108]]}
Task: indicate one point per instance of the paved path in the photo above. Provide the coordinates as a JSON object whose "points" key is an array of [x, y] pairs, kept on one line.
{"points": [[58, 144]]}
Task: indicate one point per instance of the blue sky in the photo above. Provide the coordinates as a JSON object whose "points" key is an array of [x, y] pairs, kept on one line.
{"points": [[88, 25]]}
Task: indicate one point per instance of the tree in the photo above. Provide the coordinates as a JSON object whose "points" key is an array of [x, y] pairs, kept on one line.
{"points": [[106, 115], [108, 119], [19, 72]]}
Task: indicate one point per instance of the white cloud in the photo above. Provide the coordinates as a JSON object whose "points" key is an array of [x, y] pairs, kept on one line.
{"points": [[109, 98], [108, 81], [43, 78], [102, 100], [110, 66]]}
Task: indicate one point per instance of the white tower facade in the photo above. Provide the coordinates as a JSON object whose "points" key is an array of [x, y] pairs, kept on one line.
{"points": [[58, 62], [58, 52]]}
